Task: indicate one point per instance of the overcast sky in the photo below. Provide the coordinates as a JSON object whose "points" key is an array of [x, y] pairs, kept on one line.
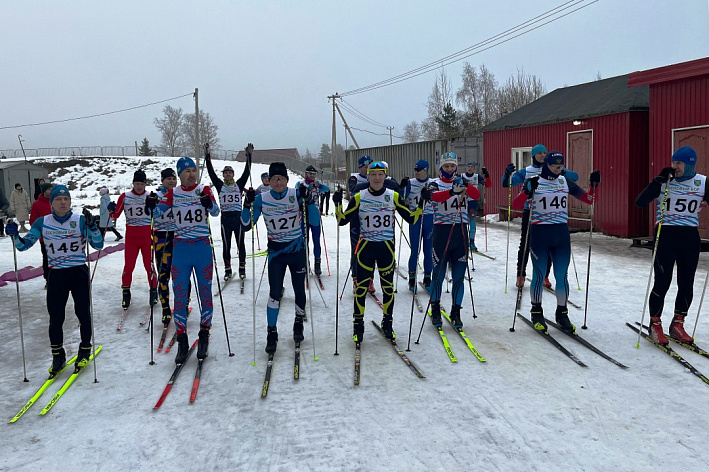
{"points": [[264, 69]]}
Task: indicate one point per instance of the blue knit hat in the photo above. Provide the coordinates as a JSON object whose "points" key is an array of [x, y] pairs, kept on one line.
{"points": [[421, 164], [185, 163], [554, 158], [470, 163], [685, 154], [538, 148], [364, 161], [264, 175], [58, 191]]}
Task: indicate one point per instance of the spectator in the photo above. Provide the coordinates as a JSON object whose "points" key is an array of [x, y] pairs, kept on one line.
{"points": [[4, 205], [38, 190], [20, 206], [41, 207]]}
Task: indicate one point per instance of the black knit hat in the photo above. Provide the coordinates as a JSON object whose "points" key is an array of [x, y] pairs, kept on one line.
{"points": [[277, 168], [169, 172], [139, 176]]}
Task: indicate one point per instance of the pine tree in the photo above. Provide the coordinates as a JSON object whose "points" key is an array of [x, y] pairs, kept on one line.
{"points": [[144, 149]]}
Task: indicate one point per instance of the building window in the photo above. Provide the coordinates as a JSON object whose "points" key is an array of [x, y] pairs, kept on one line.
{"points": [[522, 157]]}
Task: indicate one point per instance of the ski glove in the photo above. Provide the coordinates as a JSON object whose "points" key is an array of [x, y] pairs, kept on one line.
{"points": [[249, 149], [457, 189], [352, 182], [668, 173], [90, 219], [337, 197], [206, 200], [509, 170], [486, 173], [305, 195], [111, 207], [151, 201], [531, 185], [11, 229], [207, 155], [595, 178], [404, 183], [250, 197], [426, 194]]}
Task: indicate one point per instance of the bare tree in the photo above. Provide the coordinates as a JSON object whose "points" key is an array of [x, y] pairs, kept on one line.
{"points": [[207, 130], [170, 127], [518, 91], [412, 132], [439, 97]]}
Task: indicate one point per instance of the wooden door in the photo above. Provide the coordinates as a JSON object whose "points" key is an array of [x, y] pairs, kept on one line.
{"points": [[580, 159], [698, 139]]}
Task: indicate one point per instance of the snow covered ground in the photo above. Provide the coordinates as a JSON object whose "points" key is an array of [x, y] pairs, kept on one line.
{"points": [[527, 408]]}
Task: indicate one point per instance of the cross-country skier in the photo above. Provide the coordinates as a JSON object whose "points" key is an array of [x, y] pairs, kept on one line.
{"points": [[164, 237], [282, 211], [191, 204], [230, 200], [512, 178], [476, 180], [425, 224], [315, 188], [679, 241], [64, 235], [265, 184], [549, 232], [138, 237], [450, 240], [375, 208], [106, 223]]}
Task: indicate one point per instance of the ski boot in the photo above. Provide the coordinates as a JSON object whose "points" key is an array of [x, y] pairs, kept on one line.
{"points": [[183, 348], [538, 320], [358, 328], [272, 340], [82, 358], [677, 329], [58, 360], [547, 283], [242, 270], [562, 319], [427, 281], [412, 282], [203, 344], [473, 247], [436, 314], [656, 332], [298, 328], [153, 296], [318, 269], [227, 273], [166, 316], [126, 298], [387, 327], [455, 317]]}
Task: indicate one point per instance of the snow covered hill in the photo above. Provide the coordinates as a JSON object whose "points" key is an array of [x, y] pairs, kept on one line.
{"points": [[527, 408]]}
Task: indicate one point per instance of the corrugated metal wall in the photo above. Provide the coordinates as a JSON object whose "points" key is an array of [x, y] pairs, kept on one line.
{"points": [[612, 144], [400, 157]]}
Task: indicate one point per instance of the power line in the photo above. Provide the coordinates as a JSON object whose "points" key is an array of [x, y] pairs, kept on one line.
{"points": [[372, 121], [98, 114], [460, 55], [377, 134]]}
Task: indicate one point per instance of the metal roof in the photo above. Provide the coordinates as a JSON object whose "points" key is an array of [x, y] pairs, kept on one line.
{"points": [[598, 98], [7, 163], [683, 70]]}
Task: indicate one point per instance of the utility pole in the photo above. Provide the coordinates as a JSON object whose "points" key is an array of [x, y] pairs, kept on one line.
{"points": [[391, 142], [196, 133], [333, 160], [347, 127]]}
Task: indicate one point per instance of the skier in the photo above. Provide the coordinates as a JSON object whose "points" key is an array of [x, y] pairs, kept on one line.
{"points": [[282, 210], [512, 179], [315, 188], [265, 184], [65, 236], [549, 233], [476, 180], [679, 241], [20, 206], [41, 207], [362, 177], [413, 198], [191, 204], [138, 236], [230, 200], [374, 208], [450, 240], [163, 239], [105, 222], [325, 202]]}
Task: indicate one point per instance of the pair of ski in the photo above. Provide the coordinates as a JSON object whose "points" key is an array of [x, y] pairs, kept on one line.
{"points": [[551, 290], [482, 254], [47, 383], [673, 354], [461, 333], [176, 373], [269, 370], [575, 336], [163, 336], [122, 321], [317, 279], [392, 343], [258, 254]]}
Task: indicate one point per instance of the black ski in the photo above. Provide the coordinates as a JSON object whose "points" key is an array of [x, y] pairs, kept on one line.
{"points": [[195, 383], [692, 347], [668, 350], [241, 287], [403, 356], [553, 341], [317, 278], [357, 362], [551, 290], [296, 365], [173, 377], [267, 378], [376, 299], [418, 303], [163, 336], [587, 344]]}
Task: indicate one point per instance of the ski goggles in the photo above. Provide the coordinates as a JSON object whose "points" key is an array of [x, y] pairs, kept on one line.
{"points": [[377, 166], [419, 169], [311, 173]]}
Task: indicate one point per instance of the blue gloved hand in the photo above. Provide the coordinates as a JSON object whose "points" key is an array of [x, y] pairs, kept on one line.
{"points": [[90, 219], [11, 229], [509, 170]]}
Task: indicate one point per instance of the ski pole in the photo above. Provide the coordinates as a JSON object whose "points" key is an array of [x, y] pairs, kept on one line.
{"points": [[701, 301], [349, 271], [652, 265], [509, 218], [258, 291], [219, 285], [588, 263], [398, 261], [337, 277], [418, 254], [485, 221], [91, 300], [518, 301], [327, 259], [470, 278], [19, 310], [574, 264], [152, 269], [253, 270], [307, 274]]}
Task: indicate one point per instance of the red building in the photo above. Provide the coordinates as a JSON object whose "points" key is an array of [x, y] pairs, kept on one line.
{"points": [[598, 125], [679, 116]]}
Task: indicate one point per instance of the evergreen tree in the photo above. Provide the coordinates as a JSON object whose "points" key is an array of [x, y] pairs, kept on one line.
{"points": [[144, 149]]}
